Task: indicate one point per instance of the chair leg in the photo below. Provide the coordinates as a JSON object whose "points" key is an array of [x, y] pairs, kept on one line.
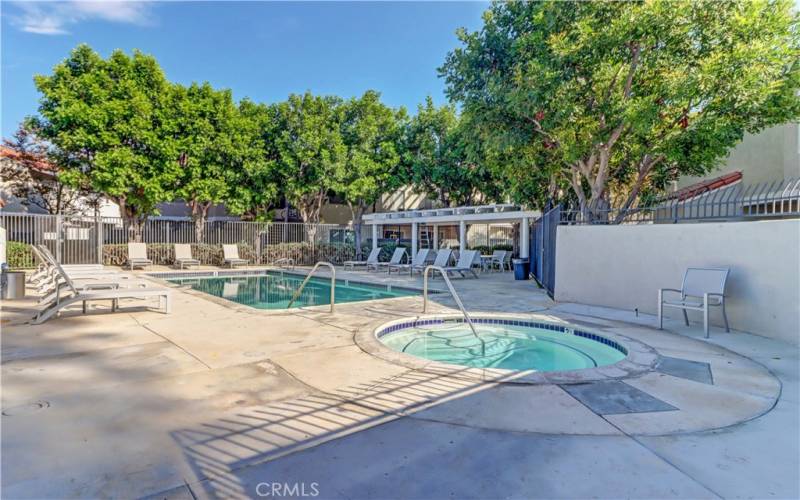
{"points": [[705, 314], [725, 317], [660, 311], [685, 317]]}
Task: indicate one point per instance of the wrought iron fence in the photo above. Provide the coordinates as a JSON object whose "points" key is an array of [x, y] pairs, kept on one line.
{"points": [[779, 199], [81, 240], [490, 235]]}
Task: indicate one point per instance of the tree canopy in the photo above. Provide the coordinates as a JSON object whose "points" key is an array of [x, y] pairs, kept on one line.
{"points": [[615, 98], [108, 118]]}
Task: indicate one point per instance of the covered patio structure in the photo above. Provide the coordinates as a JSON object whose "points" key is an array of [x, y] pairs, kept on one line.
{"points": [[461, 217]]}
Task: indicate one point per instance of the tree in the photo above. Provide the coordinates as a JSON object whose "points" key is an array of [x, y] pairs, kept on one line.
{"points": [[309, 150], [109, 118], [371, 132], [440, 161], [616, 98], [33, 175], [216, 149], [257, 185]]}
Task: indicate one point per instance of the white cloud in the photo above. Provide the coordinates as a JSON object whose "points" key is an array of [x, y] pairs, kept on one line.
{"points": [[54, 18]]}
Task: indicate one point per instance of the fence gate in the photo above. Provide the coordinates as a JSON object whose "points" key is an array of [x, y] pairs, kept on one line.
{"points": [[543, 249]]}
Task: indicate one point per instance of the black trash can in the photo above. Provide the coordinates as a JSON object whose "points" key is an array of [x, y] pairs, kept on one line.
{"points": [[522, 268]]}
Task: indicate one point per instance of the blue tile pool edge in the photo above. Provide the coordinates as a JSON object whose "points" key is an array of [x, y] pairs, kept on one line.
{"points": [[508, 322]]}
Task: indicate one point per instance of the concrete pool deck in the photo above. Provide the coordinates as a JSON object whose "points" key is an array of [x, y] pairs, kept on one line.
{"points": [[218, 399]]}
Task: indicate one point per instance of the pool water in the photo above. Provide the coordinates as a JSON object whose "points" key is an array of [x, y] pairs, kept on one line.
{"points": [[511, 347], [274, 290]]}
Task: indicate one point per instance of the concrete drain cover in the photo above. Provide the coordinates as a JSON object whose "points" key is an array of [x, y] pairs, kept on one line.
{"points": [[615, 397], [684, 368], [26, 409]]}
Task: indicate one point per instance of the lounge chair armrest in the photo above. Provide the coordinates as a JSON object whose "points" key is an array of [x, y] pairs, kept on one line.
{"points": [[674, 290], [100, 286]]}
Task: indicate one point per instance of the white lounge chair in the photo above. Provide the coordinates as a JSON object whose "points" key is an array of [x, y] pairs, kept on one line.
{"points": [[419, 260], [45, 268], [701, 288], [113, 294], [372, 258], [137, 255], [397, 257], [183, 256], [231, 256], [49, 288], [466, 260], [443, 257]]}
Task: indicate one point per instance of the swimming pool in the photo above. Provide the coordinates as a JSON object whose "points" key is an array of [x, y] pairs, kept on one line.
{"points": [[502, 343], [274, 290]]}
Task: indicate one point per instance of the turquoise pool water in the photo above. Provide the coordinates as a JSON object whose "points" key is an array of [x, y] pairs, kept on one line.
{"points": [[274, 290], [511, 346]]}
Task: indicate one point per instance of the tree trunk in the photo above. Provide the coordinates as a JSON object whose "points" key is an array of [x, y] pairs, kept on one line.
{"points": [[199, 216], [309, 207], [133, 221], [357, 210]]}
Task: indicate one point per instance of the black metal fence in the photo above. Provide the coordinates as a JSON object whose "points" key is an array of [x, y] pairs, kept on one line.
{"points": [[737, 202], [543, 249]]}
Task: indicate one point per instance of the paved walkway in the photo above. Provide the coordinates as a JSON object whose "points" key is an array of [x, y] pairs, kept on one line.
{"points": [[221, 400]]}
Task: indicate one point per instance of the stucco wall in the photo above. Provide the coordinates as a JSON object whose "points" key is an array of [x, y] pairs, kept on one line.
{"points": [[623, 267], [769, 156]]}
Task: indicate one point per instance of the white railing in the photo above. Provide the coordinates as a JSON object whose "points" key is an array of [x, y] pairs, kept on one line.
{"points": [[103, 240]]}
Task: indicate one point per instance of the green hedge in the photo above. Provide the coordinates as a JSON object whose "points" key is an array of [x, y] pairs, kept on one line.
{"points": [[19, 255]]}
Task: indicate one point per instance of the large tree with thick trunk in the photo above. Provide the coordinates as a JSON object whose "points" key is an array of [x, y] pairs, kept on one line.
{"points": [[614, 99]]}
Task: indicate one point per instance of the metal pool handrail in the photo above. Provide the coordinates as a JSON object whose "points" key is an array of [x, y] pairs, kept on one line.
{"points": [[303, 285], [455, 297]]}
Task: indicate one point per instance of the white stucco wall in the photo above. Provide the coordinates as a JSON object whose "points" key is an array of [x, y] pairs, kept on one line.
{"points": [[623, 267]]}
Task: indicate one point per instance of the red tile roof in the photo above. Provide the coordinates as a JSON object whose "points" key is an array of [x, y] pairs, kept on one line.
{"points": [[706, 186], [34, 161]]}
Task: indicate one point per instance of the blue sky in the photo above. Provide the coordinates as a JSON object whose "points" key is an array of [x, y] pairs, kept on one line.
{"points": [[262, 50]]}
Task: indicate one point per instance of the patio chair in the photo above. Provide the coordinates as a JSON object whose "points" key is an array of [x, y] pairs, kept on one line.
{"points": [[419, 260], [397, 257], [466, 260], [498, 260], [49, 288], [111, 292], [137, 255], [372, 258], [443, 257], [701, 288], [183, 256], [231, 256]]}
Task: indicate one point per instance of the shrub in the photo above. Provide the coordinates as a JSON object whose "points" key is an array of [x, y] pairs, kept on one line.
{"points": [[19, 255]]}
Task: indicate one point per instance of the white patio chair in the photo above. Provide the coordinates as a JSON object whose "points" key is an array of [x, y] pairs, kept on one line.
{"points": [[137, 255], [443, 257], [183, 256], [498, 260], [231, 256], [701, 288], [372, 258], [397, 257], [110, 292], [419, 260], [466, 260]]}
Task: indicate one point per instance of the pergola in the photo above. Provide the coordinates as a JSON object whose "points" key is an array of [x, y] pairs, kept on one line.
{"points": [[462, 216]]}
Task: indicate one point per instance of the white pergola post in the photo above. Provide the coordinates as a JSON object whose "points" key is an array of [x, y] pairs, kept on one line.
{"points": [[414, 234], [436, 237], [374, 236], [525, 238], [462, 235]]}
